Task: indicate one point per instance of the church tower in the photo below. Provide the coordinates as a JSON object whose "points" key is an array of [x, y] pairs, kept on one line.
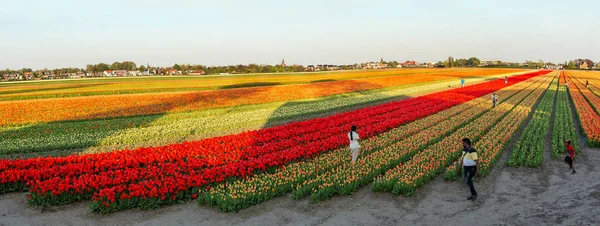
{"points": [[282, 62]]}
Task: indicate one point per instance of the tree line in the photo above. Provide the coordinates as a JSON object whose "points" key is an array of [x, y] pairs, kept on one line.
{"points": [[238, 69], [256, 68], [471, 62]]}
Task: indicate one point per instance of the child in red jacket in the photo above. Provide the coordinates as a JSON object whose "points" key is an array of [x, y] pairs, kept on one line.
{"points": [[570, 156]]}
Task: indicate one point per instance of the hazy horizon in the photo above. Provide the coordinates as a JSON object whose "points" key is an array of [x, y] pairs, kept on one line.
{"points": [[65, 33]]}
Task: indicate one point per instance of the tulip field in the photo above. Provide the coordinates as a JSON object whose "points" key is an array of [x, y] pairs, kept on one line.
{"points": [[203, 114], [587, 104], [233, 142]]}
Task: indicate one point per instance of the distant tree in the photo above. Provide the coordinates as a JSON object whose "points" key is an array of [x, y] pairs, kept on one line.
{"points": [[142, 68], [116, 66], [128, 65], [89, 68], [440, 64], [185, 68], [473, 62], [177, 67], [450, 62], [571, 65], [265, 69], [102, 67], [460, 62]]}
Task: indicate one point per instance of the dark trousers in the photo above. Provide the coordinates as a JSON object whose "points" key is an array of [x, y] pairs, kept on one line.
{"points": [[470, 172], [569, 161]]}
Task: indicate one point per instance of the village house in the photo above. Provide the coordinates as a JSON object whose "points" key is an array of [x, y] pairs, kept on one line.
{"points": [[13, 77], [583, 65], [409, 64], [197, 72], [488, 62], [120, 73], [47, 75], [133, 73], [73, 75], [28, 75], [173, 72], [331, 67], [108, 73]]}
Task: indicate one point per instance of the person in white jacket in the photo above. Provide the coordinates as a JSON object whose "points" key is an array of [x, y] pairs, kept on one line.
{"points": [[354, 145]]}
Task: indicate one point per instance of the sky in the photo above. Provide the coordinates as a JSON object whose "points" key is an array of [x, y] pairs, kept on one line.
{"points": [[72, 33]]}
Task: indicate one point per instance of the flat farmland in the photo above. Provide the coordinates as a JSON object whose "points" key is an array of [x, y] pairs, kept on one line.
{"points": [[130, 85], [263, 148], [110, 122]]}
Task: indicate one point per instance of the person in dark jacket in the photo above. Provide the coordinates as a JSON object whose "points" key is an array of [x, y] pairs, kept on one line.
{"points": [[469, 165]]}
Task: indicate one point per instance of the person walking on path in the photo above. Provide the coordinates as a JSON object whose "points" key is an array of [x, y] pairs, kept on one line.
{"points": [[469, 162], [587, 84], [462, 82], [570, 155], [506, 79], [354, 146]]}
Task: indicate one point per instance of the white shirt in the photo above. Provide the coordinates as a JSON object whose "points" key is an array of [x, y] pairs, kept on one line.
{"points": [[354, 140]]}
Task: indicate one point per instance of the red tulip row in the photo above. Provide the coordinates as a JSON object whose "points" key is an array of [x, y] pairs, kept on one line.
{"points": [[147, 177]]}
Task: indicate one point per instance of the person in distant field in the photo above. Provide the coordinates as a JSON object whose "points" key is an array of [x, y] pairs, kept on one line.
{"points": [[354, 146], [462, 82], [570, 155], [587, 84], [567, 85], [505, 79], [469, 164], [496, 100]]}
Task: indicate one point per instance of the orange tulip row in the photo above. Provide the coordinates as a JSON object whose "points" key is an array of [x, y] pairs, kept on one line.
{"points": [[585, 101]]}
